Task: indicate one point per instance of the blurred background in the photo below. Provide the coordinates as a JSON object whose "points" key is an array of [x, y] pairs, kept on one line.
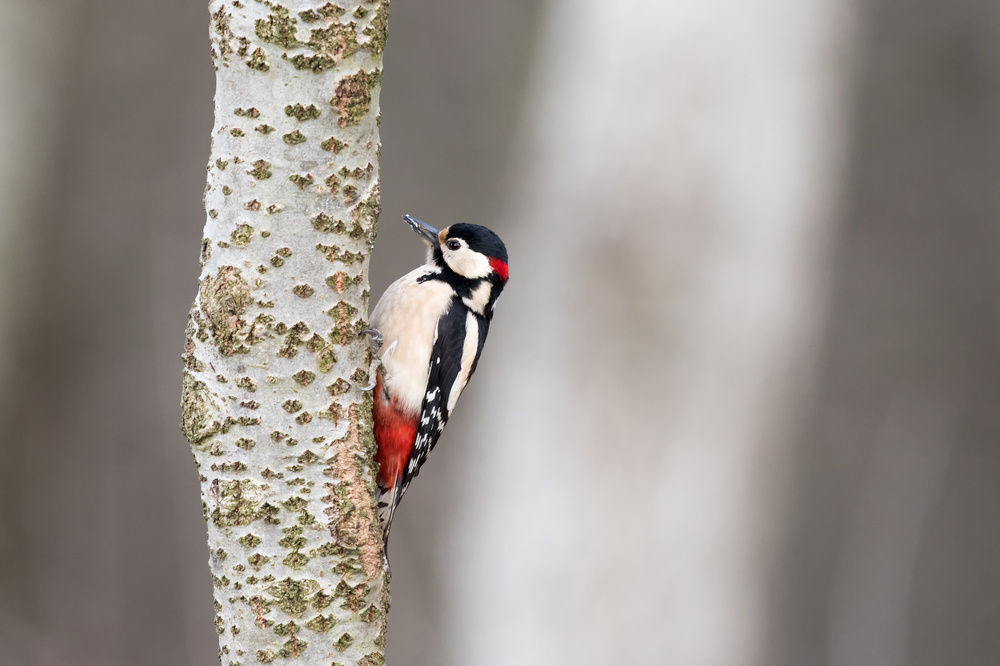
{"points": [[741, 400]]}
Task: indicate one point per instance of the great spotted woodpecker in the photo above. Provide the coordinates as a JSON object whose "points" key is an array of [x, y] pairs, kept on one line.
{"points": [[432, 322]]}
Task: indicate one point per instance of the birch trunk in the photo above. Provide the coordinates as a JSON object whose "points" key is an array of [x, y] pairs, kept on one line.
{"points": [[275, 353]]}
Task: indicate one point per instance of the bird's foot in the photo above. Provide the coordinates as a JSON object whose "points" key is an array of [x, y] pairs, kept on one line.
{"points": [[376, 336], [369, 388], [376, 365]]}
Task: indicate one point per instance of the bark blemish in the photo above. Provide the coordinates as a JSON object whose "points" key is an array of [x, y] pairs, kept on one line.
{"points": [[294, 138], [304, 377], [262, 168], [332, 145], [343, 642], [301, 112], [224, 299], [353, 522], [189, 359], [378, 29], [258, 61], [329, 11], [300, 181], [367, 211], [327, 224], [239, 502], [247, 383], [198, 404], [293, 596], [278, 28], [220, 22], [294, 646], [243, 235], [353, 96]]}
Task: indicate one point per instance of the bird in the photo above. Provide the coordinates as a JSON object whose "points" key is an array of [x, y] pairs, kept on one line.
{"points": [[431, 325]]}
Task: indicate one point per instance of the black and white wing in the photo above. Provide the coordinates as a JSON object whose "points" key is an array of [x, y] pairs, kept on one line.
{"points": [[458, 343]]}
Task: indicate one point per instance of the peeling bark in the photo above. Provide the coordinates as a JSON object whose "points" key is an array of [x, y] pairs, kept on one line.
{"points": [[275, 350]]}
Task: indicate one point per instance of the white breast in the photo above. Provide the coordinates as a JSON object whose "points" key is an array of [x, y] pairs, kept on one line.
{"points": [[407, 315]]}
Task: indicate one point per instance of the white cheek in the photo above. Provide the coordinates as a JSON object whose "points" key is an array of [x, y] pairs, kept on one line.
{"points": [[467, 263]]}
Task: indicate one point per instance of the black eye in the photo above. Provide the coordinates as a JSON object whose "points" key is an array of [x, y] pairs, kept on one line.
{"points": [[454, 245]]}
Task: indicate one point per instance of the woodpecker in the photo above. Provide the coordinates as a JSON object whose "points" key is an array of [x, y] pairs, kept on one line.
{"points": [[432, 323]]}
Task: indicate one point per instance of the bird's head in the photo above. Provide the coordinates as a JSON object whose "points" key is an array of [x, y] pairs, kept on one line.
{"points": [[470, 251]]}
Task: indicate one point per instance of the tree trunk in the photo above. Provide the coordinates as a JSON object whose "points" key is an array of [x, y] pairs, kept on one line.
{"points": [[275, 351]]}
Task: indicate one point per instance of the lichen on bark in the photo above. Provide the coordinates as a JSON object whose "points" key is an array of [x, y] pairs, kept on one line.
{"points": [[274, 350]]}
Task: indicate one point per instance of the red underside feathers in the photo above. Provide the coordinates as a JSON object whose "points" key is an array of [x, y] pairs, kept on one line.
{"points": [[395, 431]]}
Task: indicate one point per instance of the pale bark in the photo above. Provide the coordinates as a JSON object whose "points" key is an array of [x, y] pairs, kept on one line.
{"points": [[275, 353]]}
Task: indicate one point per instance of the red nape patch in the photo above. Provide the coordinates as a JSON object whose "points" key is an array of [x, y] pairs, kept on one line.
{"points": [[500, 268], [395, 431]]}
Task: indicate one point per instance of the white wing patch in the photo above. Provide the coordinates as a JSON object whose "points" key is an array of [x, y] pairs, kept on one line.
{"points": [[469, 350]]}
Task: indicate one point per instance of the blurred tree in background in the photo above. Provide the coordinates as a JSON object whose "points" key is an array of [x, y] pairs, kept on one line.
{"points": [[751, 331], [891, 552], [672, 199]]}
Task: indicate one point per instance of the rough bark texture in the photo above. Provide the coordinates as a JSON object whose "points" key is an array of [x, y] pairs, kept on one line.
{"points": [[275, 353]]}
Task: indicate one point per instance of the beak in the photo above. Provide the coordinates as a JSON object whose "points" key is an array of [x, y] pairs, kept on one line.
{"points": [[425, 231]]}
